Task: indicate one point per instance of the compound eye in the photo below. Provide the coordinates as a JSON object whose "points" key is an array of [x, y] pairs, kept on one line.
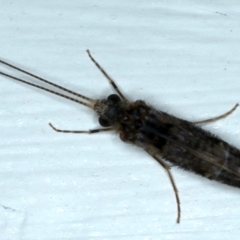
{"points": [[114, 98], [104, 122]]}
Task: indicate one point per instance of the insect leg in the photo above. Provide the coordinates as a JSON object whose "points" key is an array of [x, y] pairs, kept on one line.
{"points": [[218, 117], [87, 131], [167, 168], [108, 77]]}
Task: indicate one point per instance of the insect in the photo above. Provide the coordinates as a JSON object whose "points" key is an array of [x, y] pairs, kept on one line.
{"points": [[165, 137]]}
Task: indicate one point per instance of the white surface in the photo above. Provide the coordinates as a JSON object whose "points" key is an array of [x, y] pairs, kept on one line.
{"points": [[180, 56]]}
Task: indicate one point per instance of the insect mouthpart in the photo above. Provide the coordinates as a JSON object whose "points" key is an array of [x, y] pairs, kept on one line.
{"points": [[109, 110]]}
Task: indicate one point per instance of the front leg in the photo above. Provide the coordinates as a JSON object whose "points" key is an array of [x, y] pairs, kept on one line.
{"points": [[86, 131]]}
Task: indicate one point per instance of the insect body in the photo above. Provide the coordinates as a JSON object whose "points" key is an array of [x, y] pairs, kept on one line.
{"points": [[163, 136]]}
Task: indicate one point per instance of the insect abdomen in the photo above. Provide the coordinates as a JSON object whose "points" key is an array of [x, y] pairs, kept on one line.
{"points": [[182, 143]]}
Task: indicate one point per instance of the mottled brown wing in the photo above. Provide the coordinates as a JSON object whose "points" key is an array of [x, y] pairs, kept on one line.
{"points": [[194, 149]]}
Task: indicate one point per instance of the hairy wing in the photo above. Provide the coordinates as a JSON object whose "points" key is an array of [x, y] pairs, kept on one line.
{"points": [[192, 148]]}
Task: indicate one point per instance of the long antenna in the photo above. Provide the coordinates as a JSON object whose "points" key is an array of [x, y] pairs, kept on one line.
{"points": [[46, 81], [93, 101], [47, 90]]}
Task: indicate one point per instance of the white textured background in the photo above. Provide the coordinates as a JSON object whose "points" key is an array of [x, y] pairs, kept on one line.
{"points": [[181, 56]]}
